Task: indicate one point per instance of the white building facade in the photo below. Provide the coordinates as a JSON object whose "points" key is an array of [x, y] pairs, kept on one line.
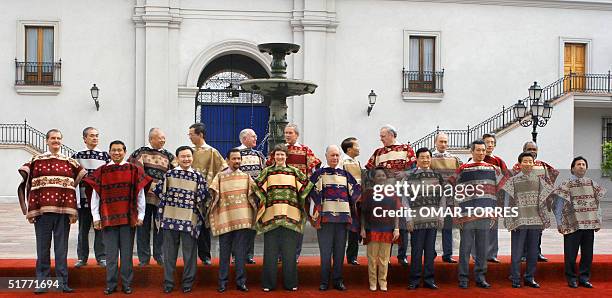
{"points": [[447, 64]]}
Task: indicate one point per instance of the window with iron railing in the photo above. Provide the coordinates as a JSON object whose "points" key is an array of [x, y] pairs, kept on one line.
{"points": [[421, 75], [39, 67]]}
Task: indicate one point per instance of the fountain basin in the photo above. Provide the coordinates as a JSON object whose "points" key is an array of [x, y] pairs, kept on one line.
{"points": [[279, 87]]}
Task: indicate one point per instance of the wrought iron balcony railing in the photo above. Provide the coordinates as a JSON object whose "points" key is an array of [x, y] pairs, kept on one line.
{"points": [[38, 73], [573, 82], [423, 81], [26, 135]]}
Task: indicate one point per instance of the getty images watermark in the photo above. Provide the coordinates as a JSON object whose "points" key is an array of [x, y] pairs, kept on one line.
{"points": [[457, 193]]}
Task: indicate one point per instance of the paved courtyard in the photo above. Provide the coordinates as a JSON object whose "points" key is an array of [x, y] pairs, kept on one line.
{"points": [[18, 241]]}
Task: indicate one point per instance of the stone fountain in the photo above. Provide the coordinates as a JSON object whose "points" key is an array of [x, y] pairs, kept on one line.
{"points": [[277, 88]]}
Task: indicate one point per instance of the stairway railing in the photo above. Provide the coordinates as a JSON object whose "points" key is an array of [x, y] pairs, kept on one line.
{"points": [[26, 135], [572, 82]]}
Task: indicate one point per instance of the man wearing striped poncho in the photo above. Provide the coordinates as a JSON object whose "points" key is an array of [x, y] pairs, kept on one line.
{"points": [[182, 193], [446, 164], [578, 214], [424, 226], [334, 196], [282, 191], [232, 214], [475, 175], [527, 192]]}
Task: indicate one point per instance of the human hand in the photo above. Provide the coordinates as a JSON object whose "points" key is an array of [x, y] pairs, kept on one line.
{"points": [[139, 222], [97, 225], [363, 234], [395, 234]]}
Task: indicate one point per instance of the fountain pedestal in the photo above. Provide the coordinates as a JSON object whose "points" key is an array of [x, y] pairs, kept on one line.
{"points": [[277, 88]]}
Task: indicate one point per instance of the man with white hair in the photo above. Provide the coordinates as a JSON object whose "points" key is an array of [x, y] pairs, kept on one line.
{"points": [[333, 196], [156, 161], [397, 158], [253, 161]]}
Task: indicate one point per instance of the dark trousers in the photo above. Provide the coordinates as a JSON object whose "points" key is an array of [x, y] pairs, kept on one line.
{"points": [[172, 241], [423, 243], [298, 246], [447, 237], [119, 241], [284, 241], [233, 243], [332, 242], [143, 237], [493, 239], [583, 240], [524, 238], [402, 248], [204, 244], [352, 247], [46, 227], [474, 235], [251, 243], [539, 246], [85, 222]]}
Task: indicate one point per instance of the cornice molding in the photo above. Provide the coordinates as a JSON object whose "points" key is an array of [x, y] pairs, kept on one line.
{"points": [[562, 4]]}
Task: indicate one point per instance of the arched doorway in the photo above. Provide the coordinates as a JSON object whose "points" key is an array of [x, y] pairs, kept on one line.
{"points": [[224, 108]]}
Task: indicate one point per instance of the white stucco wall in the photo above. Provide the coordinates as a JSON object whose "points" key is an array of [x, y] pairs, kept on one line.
{"points": [[348, 48], [11, 160], [555, 140], [96, 45], [588, 133]]}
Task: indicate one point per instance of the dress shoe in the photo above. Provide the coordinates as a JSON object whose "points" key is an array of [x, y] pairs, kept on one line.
{"points": [[80, 263], [102, 263], [354, 262], [542, 258], [159, 262], [242, 288], [127, 290], [323, 287], [586, 284], [463, 284], [403, 261], [251, 261], [483, 284], [494, 260], [187, 290], [221, 289], [206, 261], [412, 286], [109, 291], [143, 264], [532, 284], [516, 284], [340, 286], [168, 290], [39, 291], [572, 284], [449, 260], [266, 289], [67, 289], [430, 285]]}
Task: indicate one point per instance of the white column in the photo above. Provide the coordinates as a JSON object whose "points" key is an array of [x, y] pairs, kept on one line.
{"points": [[313, 22], [157, 29]]}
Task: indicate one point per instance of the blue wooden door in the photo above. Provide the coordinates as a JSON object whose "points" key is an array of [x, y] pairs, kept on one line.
{"points": [[224, 123]]}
